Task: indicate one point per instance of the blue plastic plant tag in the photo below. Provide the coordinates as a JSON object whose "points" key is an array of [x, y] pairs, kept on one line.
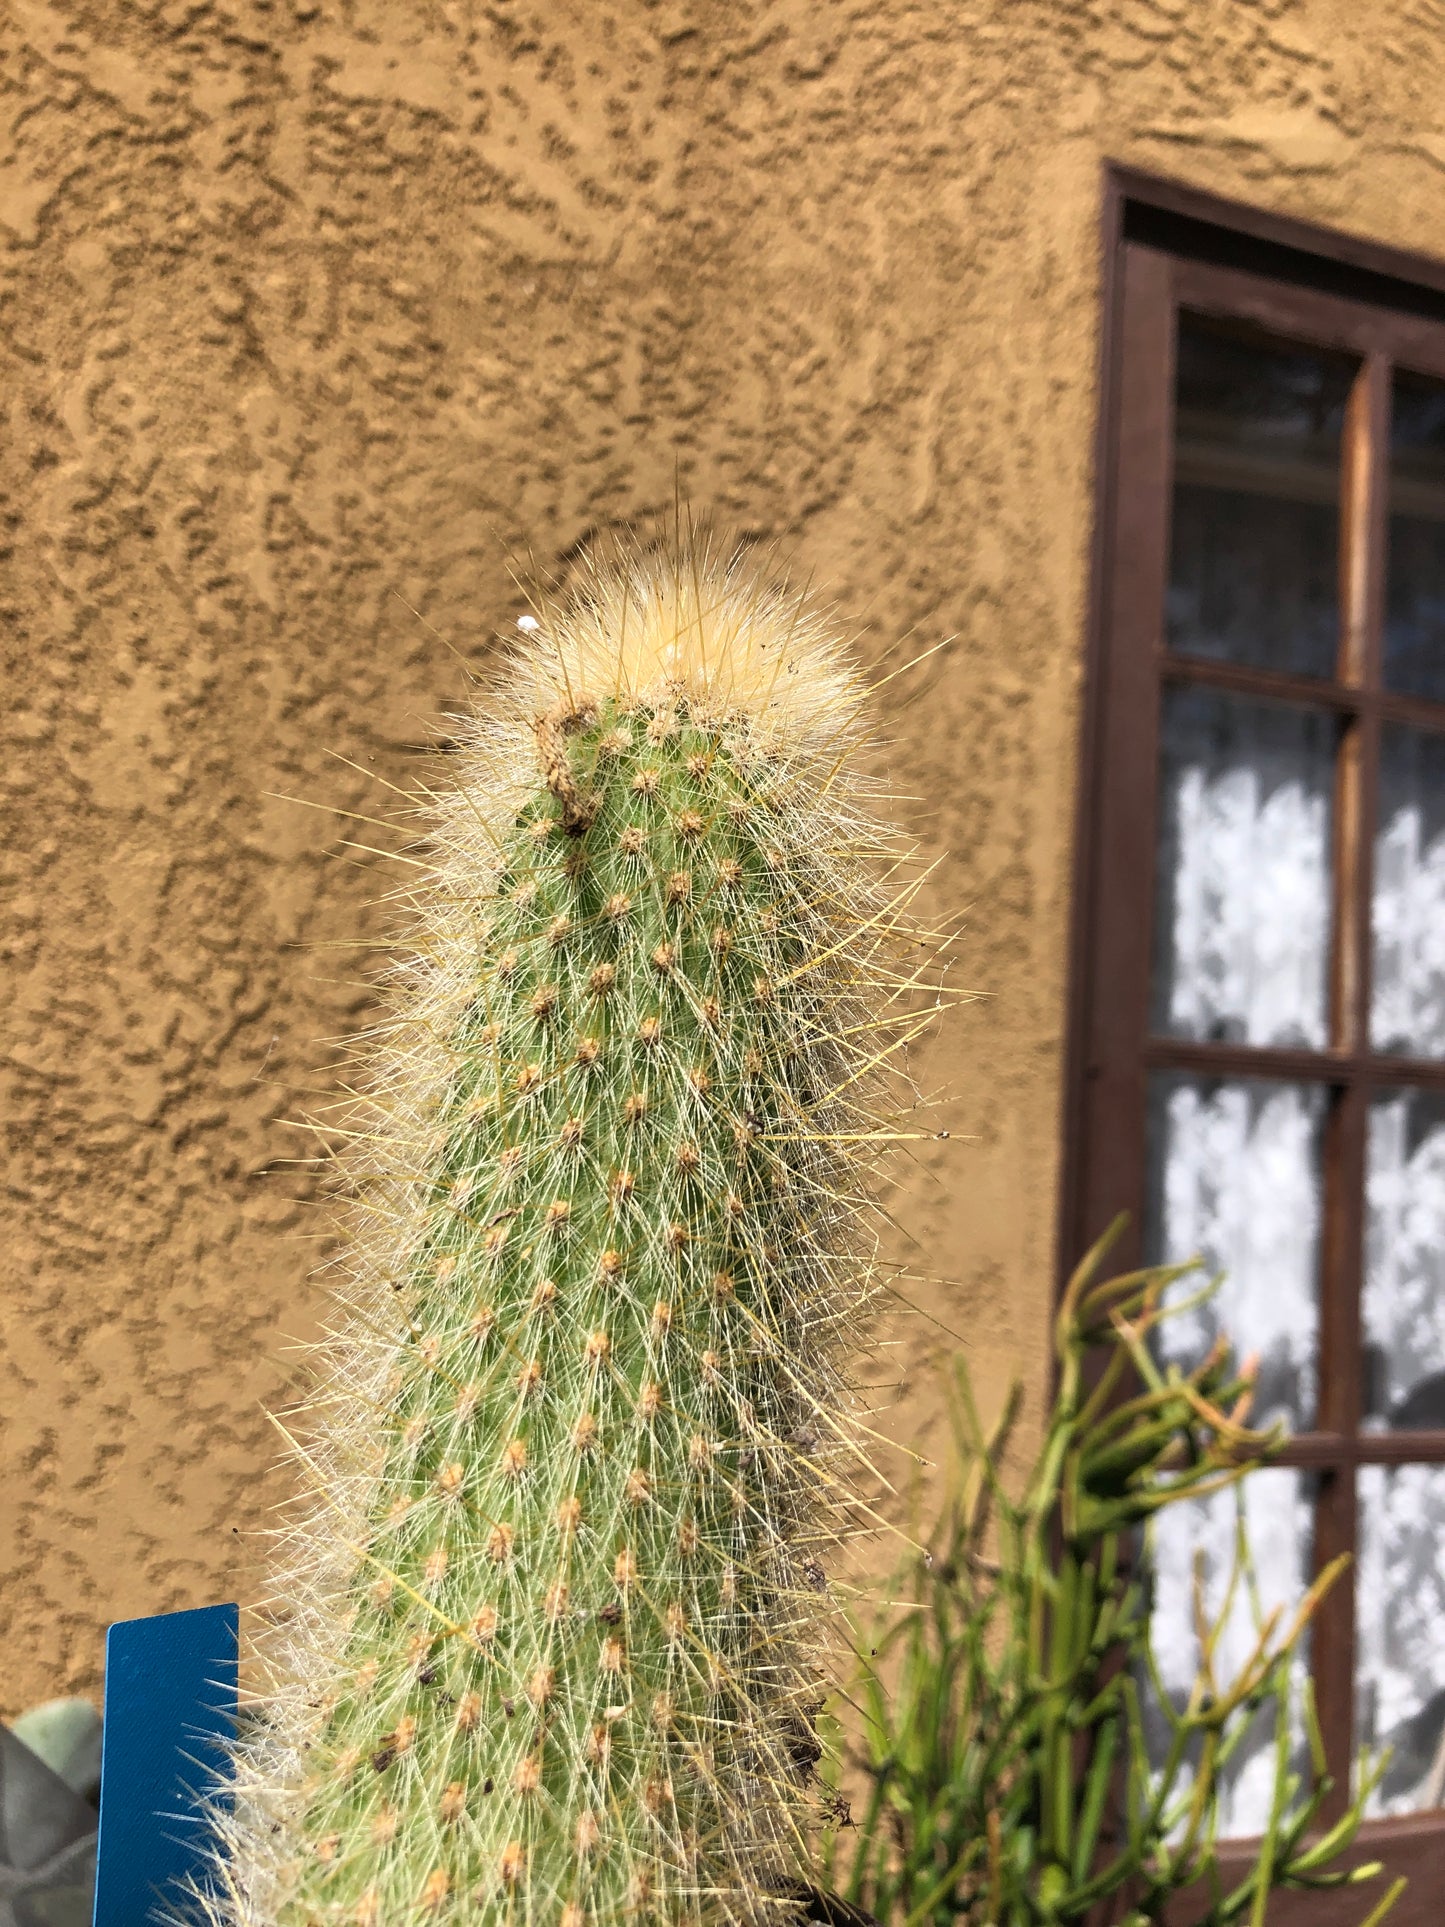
{"points": [[170, 1706]]}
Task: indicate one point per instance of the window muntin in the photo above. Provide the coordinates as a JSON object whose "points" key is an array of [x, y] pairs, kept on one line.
{"points": [[1261, 832], [1259, 1019]]}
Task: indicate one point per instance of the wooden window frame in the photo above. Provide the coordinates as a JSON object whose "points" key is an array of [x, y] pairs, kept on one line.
{"points": [[1167, 247]]}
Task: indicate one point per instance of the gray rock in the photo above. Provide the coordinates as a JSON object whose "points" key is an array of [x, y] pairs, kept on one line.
{"points": [[59, 1894], [47, 1843], [66, 1735]]}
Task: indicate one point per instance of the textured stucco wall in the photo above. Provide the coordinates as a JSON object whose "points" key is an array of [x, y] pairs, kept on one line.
{"points": [[308, 301]]}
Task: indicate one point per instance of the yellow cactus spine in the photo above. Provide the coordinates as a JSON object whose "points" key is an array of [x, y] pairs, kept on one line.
{"points": [[555, 1616]]}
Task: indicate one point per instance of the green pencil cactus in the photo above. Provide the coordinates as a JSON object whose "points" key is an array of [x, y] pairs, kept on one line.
{"points": [[554, 1620]]}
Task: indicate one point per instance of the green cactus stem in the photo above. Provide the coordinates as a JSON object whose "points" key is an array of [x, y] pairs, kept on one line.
{"points": [[556, 1616]]}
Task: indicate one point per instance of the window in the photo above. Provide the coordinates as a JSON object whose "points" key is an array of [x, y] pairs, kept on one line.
{"points": [[1258, 1039]]}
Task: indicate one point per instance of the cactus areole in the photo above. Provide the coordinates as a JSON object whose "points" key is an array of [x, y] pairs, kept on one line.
{"points": [[553, 1637]]}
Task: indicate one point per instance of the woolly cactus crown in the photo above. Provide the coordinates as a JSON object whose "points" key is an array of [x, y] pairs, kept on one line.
{"points": [[551, 1625]]}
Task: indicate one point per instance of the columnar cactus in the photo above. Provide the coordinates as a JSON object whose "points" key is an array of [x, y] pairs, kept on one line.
{"points": [[580, 1455]]}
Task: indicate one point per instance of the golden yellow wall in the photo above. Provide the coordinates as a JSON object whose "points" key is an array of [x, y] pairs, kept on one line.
{"points": [[308, 301]]}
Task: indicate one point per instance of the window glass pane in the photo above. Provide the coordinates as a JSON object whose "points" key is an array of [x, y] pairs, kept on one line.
{"points": [[1234, 1178], [1242, 915], [1255, 528], [1277, 1511], [1400, 1631], [1407, 997], [1415, 569], [1403, 1308]]}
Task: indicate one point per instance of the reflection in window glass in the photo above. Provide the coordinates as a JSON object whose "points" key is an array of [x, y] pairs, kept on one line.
{"points": [[1400, 1631], [1242, 919], [1235, 1179], [1403, 1307], [1415, 568], [1407, 1000], [1276, 1507], [1255, 527]]}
